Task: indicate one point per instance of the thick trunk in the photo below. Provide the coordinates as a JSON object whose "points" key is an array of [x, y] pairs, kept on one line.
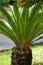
{"points": [[21, 56]]}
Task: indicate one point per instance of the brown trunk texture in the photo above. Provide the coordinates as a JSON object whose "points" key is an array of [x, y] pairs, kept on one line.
{"points": [[21, 56]]}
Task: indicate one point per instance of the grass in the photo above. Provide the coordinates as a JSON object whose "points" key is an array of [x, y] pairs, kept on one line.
{"points": [[37, 56], [5, 58]]}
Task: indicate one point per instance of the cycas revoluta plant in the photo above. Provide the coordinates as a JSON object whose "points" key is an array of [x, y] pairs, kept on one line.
{"points": [[25, 25]]}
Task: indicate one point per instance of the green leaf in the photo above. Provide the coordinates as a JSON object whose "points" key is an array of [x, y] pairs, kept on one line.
{"points": [[8, 18]]}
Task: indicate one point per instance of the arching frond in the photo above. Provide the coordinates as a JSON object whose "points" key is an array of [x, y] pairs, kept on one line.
{"points": [[25, 24]]}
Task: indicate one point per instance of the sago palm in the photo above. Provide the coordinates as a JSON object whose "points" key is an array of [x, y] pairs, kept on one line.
{"points": [[24, 26]]}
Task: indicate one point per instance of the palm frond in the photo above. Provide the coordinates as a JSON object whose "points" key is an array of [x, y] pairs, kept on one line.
{"points": [[25, 26], [36, 27], [7, 17], [7, 31]]}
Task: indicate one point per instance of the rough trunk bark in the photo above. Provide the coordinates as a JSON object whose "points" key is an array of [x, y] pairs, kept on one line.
{"points": [[21, 56]]}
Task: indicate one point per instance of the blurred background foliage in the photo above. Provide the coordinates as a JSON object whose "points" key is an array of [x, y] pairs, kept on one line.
{"points": [[31, 1]]}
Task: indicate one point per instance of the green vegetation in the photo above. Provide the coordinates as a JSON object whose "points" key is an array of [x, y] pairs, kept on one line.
{"points": [[25, 25], [37, 56], [5, 58]]}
